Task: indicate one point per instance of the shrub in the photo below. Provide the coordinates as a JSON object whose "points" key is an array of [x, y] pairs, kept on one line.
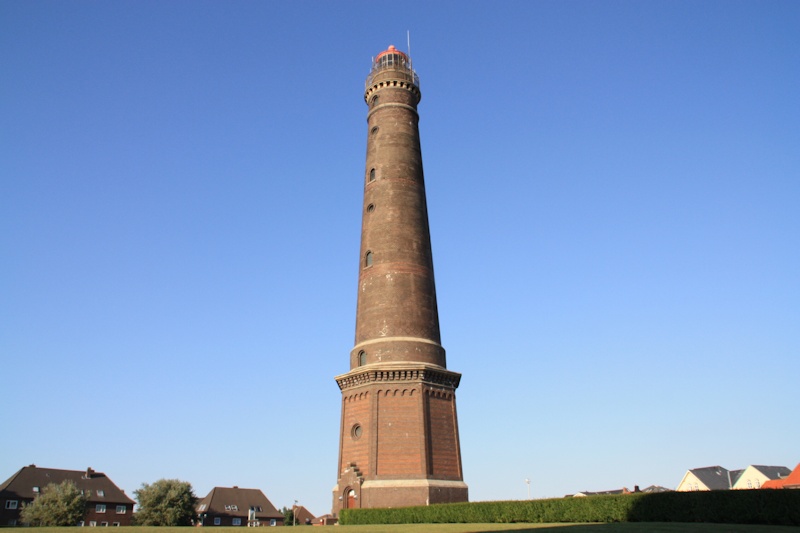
{"points": [[773, 507]]}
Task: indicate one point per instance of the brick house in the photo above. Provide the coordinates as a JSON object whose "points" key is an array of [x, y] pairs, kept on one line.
{"points": [[302, 515], [107, 504], [233, 506]]}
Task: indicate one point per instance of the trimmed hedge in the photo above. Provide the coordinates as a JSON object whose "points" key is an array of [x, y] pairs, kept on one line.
{"points": [[772, 507]]}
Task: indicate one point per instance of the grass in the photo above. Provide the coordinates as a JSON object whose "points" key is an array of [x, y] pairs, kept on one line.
{"points": [[622, 527]]}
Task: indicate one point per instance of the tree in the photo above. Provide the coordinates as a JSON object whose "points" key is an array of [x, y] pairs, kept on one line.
{"points": [[167, 502], [288, 516], [58, 505]]}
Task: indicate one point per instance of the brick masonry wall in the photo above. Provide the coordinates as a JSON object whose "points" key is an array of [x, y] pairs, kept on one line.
{"points": [[445, 456], [399, 433], [355, 450]]}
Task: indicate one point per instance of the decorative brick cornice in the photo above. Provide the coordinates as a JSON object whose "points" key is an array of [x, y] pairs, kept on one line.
{"points": [[399, 373], [394, 84]]}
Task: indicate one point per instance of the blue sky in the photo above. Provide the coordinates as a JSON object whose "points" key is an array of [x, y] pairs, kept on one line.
{"points": [[613, 192]]}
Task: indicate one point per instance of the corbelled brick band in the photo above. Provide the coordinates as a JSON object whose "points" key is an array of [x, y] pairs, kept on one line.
{"points": [[399, 428]]}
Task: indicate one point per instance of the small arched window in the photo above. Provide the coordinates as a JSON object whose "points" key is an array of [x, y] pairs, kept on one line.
{"points": [[372, 174], [374, 130], [362, 358], [374, 101], [370, 208], [368, 259]]}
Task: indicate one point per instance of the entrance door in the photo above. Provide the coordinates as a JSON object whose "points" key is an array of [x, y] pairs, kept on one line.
{"points": [[351, 499]]}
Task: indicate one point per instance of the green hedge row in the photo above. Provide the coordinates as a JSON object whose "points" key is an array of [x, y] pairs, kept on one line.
{"points": [[773, 507]]}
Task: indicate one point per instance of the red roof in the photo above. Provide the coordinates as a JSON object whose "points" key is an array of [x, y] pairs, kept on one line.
{"points": [[790, 481], [390, 50]]}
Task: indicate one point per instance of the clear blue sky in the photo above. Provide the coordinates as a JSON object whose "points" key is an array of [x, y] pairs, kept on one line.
{"points": [[614, 196]]}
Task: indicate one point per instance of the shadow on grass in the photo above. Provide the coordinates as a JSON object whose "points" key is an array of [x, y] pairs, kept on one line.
{"points": [[640, 527]]}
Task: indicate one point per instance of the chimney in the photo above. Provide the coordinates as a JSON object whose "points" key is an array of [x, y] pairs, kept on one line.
{"points": [[89, 473], [636, 488]]}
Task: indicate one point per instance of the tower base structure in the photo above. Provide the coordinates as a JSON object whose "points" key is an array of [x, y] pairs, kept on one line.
{"points": [[401, 493], [399, 437]]}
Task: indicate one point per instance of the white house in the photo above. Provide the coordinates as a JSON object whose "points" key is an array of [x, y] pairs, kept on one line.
{"points": [[754, 476]]}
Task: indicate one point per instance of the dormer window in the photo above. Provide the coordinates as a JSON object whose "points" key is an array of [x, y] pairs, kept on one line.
{"points": [[101, 493]]}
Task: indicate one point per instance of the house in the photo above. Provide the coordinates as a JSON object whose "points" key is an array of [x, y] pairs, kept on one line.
{"points": [[233, 506], [792, 481], [107, 503], [708, 478], [326, 520], [754, 476], [303, 515], [655, 488]]}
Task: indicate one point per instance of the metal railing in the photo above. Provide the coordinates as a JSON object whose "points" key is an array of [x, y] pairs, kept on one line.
{"points": [[391, 62]]}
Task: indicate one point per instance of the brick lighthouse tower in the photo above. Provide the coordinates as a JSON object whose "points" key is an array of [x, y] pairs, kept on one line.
{"points": [[399, 430]]}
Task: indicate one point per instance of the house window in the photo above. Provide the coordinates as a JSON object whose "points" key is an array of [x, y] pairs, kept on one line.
{"points": [[122, 509], [255, 508], [92, 523], [12, 522], [101, 493], [758, 484], [115, 524], [100, 508], [11, 504], [749, 484], [368, 259], [273, 522], [217, 521], [231, 507], [103, 524], [237, 521]]}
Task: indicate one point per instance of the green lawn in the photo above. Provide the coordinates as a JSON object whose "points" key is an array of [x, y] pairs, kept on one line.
{"points": [[624, 527]]}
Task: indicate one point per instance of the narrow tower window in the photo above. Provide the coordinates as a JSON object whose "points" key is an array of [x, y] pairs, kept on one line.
{"points": [[374, 101], [374, 130], [372, 174], [370, 208], [368, 259], [362, 358]]}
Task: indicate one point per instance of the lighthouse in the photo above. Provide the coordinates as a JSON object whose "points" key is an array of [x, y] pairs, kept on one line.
{"points": [[398, 442]]}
